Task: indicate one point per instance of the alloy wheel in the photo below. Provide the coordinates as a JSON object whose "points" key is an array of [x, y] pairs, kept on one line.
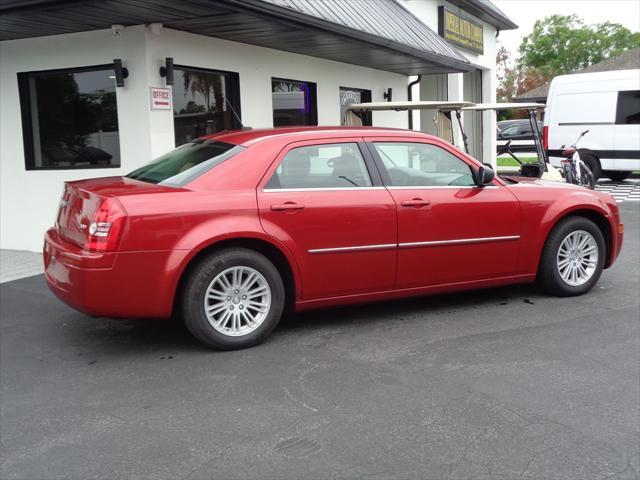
{"points": [[577, 258], [237, 301]]}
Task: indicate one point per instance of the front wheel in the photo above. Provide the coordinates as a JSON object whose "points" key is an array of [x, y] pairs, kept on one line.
{"points": [[573, 257], [233, 299], [587, 179]]}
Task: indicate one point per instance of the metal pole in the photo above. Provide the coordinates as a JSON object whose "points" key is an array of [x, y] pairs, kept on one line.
{"points": [[464, 135], [542, 155]]}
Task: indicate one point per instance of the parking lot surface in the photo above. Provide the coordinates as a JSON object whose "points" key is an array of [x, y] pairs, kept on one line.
{"points": [[499, 384]]}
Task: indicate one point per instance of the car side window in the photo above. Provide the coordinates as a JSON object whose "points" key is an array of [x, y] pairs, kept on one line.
{"points": [[423, 165], [525, 129], [511, 131], [336, 165]]}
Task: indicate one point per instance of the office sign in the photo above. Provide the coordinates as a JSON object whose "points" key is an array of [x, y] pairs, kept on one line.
{"points": [[460, 30], [161, 98]]}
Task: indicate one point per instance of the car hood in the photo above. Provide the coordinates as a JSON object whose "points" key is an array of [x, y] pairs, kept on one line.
{"points": [[550, 188], [538, 182]]}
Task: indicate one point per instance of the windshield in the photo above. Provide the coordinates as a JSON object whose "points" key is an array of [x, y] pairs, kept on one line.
{"points": [[186, 163]]}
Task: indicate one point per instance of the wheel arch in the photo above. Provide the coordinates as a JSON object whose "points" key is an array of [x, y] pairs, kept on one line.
{"points": [[278, 255], [597, 217]]}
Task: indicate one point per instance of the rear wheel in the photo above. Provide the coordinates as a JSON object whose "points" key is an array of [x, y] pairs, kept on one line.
{"points": [[617, 175], [573, 257], [233, 299]]}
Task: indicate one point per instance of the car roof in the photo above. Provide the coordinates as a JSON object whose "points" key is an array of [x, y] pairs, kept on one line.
{"points": [[248, 137]]}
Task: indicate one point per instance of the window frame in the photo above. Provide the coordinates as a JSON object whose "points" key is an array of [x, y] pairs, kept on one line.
{"points": [[386, 179], [24, 99], [313, 99], [619, 99], [369, 161], [367, 116], [233, 94]]}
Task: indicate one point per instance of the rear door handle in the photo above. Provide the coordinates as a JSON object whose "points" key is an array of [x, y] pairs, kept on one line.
{"points": [[415, 202], [286, 206]]}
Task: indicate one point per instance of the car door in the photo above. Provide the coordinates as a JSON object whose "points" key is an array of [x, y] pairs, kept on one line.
{"points": [[321, 199], [449, 230]]}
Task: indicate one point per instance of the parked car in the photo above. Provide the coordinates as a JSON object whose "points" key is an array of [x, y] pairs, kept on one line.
{"points": [[518, 133], [608, 105], [232, 230]]}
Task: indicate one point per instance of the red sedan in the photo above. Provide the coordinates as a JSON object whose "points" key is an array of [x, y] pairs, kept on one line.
{"points": [[232, 229]]}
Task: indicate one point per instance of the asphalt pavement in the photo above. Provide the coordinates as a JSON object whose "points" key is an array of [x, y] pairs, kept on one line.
{"points": [[505, 383]]}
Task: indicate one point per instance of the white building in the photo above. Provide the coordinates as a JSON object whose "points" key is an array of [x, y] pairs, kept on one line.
{"points": [[263, 63]]}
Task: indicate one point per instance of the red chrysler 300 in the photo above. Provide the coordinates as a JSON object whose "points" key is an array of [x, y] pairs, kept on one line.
{"points": [[230, 230]]}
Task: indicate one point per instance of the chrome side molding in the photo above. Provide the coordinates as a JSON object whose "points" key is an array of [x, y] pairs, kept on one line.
{"points": [[435, 243]]}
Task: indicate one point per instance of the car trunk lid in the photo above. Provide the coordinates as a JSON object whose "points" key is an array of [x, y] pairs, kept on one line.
{"points": [[90, 214]]}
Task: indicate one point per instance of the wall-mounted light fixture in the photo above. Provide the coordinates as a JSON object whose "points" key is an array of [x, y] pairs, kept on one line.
{"points": [[120, 71], [388, 95], [166, 71]]}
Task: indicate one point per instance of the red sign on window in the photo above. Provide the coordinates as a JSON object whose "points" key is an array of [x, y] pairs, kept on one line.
{"points": [[161, 98]]}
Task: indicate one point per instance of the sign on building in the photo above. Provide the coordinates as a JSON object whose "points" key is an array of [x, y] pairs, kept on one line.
{"points": [[460, 30], [161, 98]]}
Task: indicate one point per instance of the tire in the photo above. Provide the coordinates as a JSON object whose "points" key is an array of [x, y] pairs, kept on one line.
{"points": [[569, 175], [617, 175], [593, 163], [233, 330], [549, 271]]}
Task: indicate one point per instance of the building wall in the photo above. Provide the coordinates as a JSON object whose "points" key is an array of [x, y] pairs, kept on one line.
{"points": [[29, 199], [427, 11]]}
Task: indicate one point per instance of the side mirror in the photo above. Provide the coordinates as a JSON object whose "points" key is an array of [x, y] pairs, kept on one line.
{"points": [[484, 175]]}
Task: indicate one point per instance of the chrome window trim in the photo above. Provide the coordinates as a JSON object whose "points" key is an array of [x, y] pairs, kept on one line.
{"points": [[386, 246], [320, 189], [332, 189], [460, 241], [440, 187]]}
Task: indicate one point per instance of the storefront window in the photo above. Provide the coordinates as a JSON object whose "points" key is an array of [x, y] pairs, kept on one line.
{"points": [[70, 118], [294, 102], [349, 96], [204, 102]]}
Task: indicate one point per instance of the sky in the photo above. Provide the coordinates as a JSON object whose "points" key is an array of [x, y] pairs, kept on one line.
{"points": [[525, 12]]}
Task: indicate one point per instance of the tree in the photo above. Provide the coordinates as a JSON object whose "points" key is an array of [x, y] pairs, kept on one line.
{"points": [[514, 80], [561, 44]]}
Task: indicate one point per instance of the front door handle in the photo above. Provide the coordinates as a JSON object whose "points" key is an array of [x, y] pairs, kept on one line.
{"points": [[415, 202], [281, 207]]}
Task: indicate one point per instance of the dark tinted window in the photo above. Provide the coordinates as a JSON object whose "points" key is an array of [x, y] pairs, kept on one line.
{"points": [[628, 111], [423, 165], [338, 165], [294, 102], [70, 118], [186, 163], [349, 96], [204, 102]]}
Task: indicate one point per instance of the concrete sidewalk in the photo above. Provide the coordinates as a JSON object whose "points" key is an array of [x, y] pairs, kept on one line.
{"points": [[15, 264]]}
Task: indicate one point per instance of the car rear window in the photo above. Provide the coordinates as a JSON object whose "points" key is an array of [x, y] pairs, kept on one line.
{"points": [[186, 163]]}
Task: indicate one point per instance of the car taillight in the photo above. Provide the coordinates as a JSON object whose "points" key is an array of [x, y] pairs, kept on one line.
{"points": [[545, 137], [104, 230]]}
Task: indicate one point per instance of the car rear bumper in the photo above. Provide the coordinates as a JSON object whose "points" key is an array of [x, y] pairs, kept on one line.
{"points": [[124, 285]]}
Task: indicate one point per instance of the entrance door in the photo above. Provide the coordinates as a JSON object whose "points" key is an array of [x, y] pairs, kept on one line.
{"points": [[340, 222], [449, 230]]}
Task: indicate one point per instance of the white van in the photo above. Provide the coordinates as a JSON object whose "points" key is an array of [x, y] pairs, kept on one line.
{"points": [[608, 105]]}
